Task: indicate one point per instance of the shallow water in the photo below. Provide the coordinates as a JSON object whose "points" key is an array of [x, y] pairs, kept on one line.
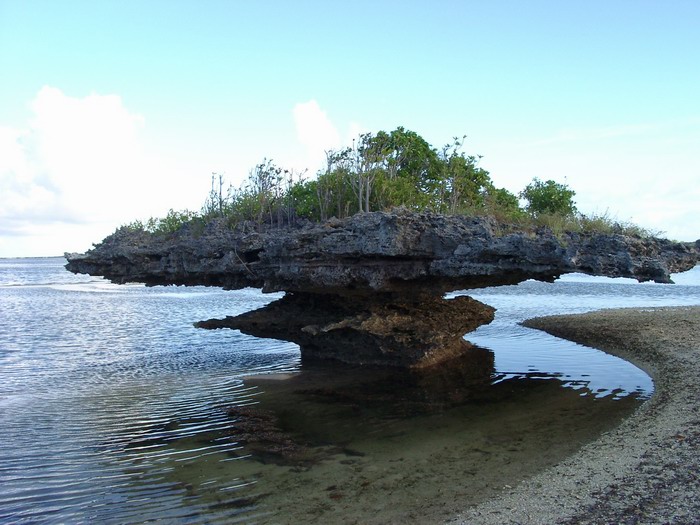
{"points": [[115, 409]]}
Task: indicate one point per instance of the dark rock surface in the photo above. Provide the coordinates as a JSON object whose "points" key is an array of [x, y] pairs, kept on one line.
{"points": [[386, 330], [368, 289]]}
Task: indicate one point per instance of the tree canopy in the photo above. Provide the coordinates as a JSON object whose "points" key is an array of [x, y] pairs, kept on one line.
{"points": [[549, 197], [400, 168]]}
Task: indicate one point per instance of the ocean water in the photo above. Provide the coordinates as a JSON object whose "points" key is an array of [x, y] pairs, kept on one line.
{"points": [[115, 409]]}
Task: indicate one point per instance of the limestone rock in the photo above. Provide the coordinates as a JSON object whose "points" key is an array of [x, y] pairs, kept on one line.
{"points": [[384, 331], [397, 251], [369, 289]]}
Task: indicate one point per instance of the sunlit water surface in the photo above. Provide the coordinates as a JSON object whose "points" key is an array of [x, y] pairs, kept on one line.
{"points": [[115, 409]]}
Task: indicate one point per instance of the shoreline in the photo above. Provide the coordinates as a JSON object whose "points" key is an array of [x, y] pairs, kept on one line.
{"points": [[647, 469]]}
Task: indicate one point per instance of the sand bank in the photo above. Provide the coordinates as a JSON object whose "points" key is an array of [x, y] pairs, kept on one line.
{"points": [[646, 470]]}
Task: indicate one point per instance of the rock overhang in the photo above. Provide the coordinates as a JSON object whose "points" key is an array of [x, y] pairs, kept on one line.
{"points": [[374, 262]]}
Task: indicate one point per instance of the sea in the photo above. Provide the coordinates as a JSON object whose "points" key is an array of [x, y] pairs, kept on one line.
{"points": [[115, 409]]}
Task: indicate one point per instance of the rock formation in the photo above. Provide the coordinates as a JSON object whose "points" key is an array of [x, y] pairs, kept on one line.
{"points": [[369, 289]]}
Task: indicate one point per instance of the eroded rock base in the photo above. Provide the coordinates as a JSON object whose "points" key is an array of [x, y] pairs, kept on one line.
{"points": [[381, 329]]}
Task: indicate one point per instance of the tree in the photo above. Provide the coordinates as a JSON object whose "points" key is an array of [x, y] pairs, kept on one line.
{"points": [[380, 171], [549, 197], [502, 203], [396, 168], [337, 182], [303, 194], [413, 170], [463, 185]]}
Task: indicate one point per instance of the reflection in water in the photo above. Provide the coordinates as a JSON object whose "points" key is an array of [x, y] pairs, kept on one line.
{"points": [[351, 445]]}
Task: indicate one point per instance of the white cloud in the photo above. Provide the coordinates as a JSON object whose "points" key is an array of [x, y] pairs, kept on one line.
{"points": [[72, 150], [315, 132], [23, 191], [81, 166], [78, 164]]}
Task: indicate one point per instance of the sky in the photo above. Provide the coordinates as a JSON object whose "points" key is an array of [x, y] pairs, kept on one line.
{"points": [[113, 111]]}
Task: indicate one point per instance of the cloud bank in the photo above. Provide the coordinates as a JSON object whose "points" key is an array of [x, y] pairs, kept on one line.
{"points": [[54, 170], [77, 162], [79, 167]]}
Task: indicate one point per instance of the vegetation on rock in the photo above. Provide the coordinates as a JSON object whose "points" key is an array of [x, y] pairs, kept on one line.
{"points": [[381, 171]]}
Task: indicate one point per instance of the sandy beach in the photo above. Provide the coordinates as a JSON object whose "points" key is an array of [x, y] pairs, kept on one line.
{"points": [[646, 470]]}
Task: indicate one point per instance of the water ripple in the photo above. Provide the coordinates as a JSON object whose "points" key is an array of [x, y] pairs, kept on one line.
{"points": [[110, 399]]}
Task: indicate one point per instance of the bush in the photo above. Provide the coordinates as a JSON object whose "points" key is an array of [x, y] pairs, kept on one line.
{"points": [[549, 198]]}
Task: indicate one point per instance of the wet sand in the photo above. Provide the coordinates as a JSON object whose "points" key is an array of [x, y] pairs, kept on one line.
{"points": [[647, 469]]}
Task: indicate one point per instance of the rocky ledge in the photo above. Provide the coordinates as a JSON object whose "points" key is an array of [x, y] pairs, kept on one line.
{"points": [[369, 289]]}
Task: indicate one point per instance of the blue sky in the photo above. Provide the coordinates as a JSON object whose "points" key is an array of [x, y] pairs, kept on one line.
{"points": [[113, 111]]}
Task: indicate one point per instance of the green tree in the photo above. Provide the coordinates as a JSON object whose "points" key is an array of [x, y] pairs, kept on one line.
{"points": [[503, 204], [549, 197], [265, 184], [411, 167], [337, 183], [463, 185], [303, 195]]}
